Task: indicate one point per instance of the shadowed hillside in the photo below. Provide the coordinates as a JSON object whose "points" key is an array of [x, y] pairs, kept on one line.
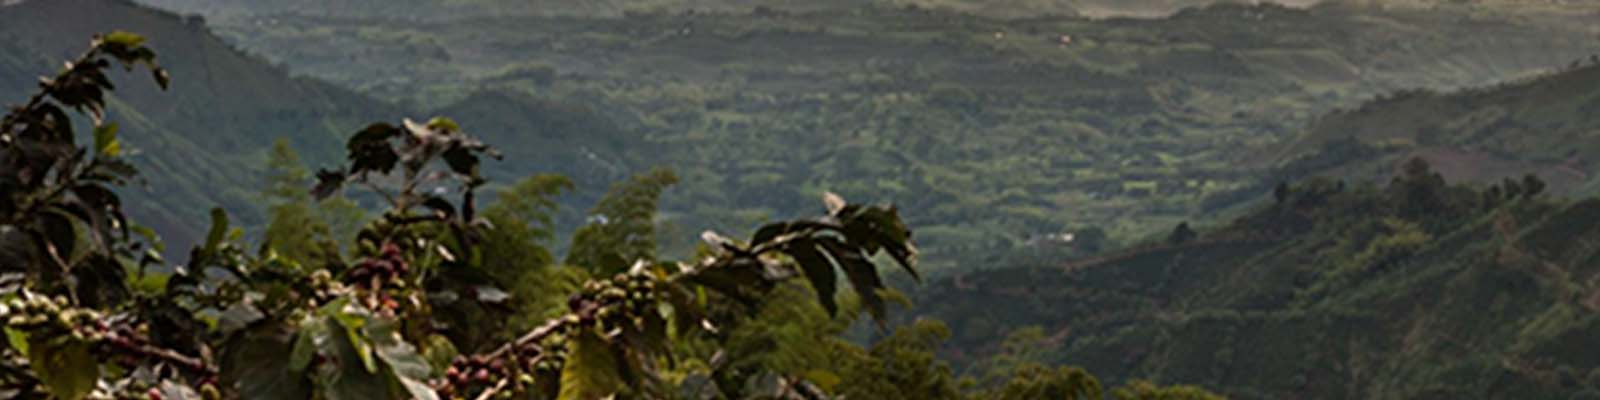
{"points": [[992, 132], [1411, 290], [1388, 284], [1547, 125], [200, 143]]}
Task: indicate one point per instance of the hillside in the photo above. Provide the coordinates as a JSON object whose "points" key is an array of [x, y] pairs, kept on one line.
{"points": [[1411, 290], [1547, 125], [991, 132], [202, 142], [437, 9], [451, 9]]}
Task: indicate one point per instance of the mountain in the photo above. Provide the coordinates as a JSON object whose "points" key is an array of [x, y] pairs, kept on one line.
{"points": [[1546, 125], [1379, 279], [451, 9], [438, 9], [990, 133], [200, 144], [1413, 289]]}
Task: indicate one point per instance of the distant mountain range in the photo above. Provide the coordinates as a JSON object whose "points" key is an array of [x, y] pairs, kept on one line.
{"points": [[989, 132], [426, 9], [1365, 277], [1549, 125], [616, 8]]}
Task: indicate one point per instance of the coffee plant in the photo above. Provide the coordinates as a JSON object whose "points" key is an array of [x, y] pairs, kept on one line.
{"points": [[92, 310]]}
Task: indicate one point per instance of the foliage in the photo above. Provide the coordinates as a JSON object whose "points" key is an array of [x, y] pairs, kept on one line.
{"points": [[1351, 278], [516, 255], [903, 366], [757, 112], [1144, 390], [298, 324], [621, 226], [70, 246], [294, 229], [1035, 381]]}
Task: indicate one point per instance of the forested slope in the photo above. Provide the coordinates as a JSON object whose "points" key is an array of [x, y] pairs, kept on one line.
{"points": [[201, 142], [1546, 125], [1380, 279], [993, 133], [1412, 289]]}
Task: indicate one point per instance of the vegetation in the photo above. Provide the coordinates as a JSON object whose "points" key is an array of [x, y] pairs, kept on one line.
{"points": [[998, 143], [1098, 202], [1416, 288], [93, 311]]}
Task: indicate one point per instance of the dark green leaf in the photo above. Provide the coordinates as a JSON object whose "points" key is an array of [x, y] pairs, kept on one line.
{"points": [[105, 141], [18, 340], [880, 228], [863, 276], [346, 376], [591, 371], [440, 206], [819, 271], [409, 368], [58, 231], [305, 343], [328, 182], [219, 229], [462, 161], [258, 365], [65, 366], [370, 149], [123, 38]]}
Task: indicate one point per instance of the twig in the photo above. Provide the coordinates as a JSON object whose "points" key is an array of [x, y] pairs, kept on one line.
{"points": [[380, 191], [489, 394], [174, 357], [533, 336]]}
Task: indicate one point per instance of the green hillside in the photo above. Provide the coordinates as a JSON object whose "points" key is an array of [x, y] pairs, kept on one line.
{"points": [[1547, 125], [436, 9], [1412, 290], [992, 133], [445, 9], [202, 142]]}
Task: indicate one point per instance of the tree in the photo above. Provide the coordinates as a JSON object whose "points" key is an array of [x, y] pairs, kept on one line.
{"points": [[1181, 234], [1145, 390], [238, 324], [419, 311], [69, 248], [1035, 381], [1416, 168], [293, 229], [1513, 189], [1532, 186], [621, 226], [904, 366], [516, 253]]}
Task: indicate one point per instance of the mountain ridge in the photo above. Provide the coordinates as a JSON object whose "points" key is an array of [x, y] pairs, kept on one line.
{"points": [[200, 141]]}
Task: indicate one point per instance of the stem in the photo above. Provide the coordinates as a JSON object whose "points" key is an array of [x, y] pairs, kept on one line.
{"points": [[380, 191], [533, 336], [498, 386], [174, 357]]}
